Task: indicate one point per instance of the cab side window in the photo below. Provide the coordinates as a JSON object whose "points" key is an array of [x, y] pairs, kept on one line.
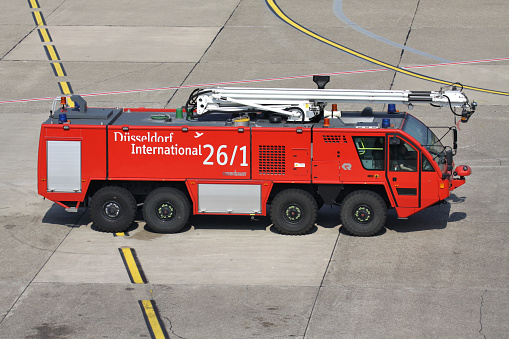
{"points": [[426, 165], [371, 152], [402, 156]]}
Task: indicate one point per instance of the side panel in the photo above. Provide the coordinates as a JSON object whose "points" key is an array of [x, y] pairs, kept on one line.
{"points": [[429, 188], [218, 198], [281, 154], [64, 163], [242, 197], [178, 153], [64, 166], [327, 147]]}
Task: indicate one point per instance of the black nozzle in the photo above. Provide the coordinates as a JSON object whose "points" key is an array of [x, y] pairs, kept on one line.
{"points": [[321, 80], [466, 114]]}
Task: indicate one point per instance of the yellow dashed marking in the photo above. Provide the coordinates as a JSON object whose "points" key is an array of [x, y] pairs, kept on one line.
{"points": [[132, 265], [51, 52], [33, 4], [44, 35], [65, 88], [153, 319], [38, 18], [58, 69]]}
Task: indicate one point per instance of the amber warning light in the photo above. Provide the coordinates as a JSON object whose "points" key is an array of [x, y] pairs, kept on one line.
{"points": [[63, 102]]}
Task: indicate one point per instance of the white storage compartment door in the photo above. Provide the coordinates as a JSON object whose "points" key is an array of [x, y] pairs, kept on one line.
{"points": [[64, 166], [229, 198]]}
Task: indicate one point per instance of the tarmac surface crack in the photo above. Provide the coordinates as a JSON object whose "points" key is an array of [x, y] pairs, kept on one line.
{"points": [[480, 314], [170, 328], [167, 321]]}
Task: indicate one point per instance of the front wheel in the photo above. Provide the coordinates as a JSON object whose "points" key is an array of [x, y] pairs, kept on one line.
{"points": [[363, 213], [166, 210], [293, 211], [113, 209]]}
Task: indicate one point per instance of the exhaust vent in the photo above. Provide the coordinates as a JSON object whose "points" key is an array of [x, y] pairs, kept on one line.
{"points": [[272, 160], [334, 138]]}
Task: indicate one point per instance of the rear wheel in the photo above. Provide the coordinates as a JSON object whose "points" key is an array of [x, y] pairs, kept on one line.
{"points": [[166, 210], [113, 209], [293, 211], [363, 213]]}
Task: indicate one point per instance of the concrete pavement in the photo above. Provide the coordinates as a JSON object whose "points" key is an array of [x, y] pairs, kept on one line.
{"points": [[441, 273]]}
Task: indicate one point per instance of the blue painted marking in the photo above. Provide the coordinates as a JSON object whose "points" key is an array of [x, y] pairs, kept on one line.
{"points": [[337, 7]]}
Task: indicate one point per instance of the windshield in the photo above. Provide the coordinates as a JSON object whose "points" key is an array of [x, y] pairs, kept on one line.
{"points": [[425, 137]]}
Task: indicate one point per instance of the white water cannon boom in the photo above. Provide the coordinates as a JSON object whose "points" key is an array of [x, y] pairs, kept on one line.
{"points": [[305, 104]]}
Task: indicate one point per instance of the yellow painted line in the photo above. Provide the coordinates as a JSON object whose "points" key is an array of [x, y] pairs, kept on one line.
{"points": [[33, 4], [44, 35], [279, 13], [153, 320], [65, 88], [132, 265], [120, 234], [38, 18], [51, 52], [58, 69]]}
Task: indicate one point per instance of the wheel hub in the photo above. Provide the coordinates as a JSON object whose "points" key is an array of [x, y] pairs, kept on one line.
{"points": [[165, 211], [293, 214], [112, 209], [363, 214]]}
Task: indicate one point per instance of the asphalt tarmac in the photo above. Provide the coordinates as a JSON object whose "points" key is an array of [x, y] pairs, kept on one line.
{"points": [[442, 273]]}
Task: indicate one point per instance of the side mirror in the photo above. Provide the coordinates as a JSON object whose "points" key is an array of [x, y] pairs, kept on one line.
{"points": [[448, 158], [455, 140]]}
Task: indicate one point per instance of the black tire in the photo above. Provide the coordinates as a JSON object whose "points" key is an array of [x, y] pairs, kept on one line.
{"points": [[363, 213], [166, 210], [293, 211], [113, 209]]}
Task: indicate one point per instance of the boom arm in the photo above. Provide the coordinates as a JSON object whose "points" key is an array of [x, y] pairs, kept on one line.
{"points": [[304, 104]]}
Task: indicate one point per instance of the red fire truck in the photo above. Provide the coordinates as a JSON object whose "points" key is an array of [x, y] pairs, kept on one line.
{"points": [[234, 151]]}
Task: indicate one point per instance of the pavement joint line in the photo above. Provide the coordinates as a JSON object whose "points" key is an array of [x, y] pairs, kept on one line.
{"points": [[42, 267], [283, 17], [132, 265], [321, 284], [404, 45], [205, 52], [153, 319]]}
